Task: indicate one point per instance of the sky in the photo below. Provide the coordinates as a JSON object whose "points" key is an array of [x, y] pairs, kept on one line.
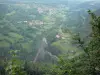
{"points": [[53, 0], [47, 1]]}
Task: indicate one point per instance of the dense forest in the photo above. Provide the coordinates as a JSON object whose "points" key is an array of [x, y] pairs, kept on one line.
{"points": [[49, 37]]}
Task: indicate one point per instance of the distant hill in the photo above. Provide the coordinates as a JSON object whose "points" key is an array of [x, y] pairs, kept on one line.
{"points": [[89, 5], [97, 12]]}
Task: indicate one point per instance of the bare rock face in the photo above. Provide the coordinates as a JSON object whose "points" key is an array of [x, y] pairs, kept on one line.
{"points": [[43, 55]]}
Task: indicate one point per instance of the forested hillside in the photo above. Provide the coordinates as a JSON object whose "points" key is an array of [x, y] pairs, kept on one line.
{"points": [[49, 38]]}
